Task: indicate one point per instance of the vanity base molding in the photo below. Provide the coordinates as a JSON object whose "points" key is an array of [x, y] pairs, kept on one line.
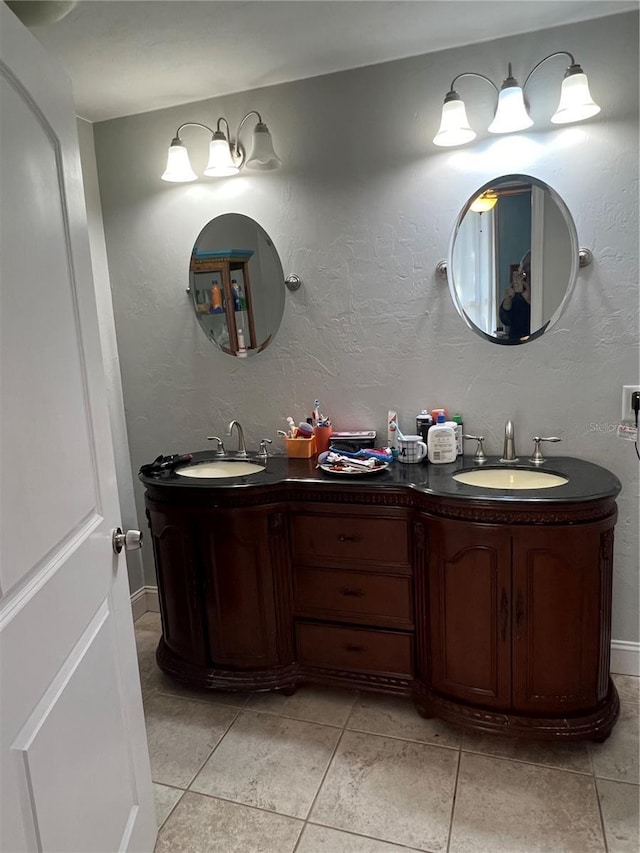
{"points": [[595, 724], [285, 678]]}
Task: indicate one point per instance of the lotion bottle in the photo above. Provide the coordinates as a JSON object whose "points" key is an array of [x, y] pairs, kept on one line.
{"points": [[441, 442]]}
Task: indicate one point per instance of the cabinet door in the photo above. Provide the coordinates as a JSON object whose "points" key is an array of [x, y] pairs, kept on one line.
{"points": [[173, 535], [238, 582], [470, 599], [560, 639]]}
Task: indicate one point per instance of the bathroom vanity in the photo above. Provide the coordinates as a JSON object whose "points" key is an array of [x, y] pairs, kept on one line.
{"points": [[492, 609]]}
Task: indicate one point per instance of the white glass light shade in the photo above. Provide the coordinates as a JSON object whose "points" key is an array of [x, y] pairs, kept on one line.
{"points": [[220, 163], [511, 114], [262, 155], [576, 103], [454, 125], [178, 169]]}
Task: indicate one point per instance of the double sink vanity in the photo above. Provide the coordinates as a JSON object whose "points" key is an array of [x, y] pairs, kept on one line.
{"points": [[480, 588], [489, 603]]}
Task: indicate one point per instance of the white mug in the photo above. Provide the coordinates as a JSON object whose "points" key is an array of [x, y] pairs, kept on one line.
{"points": [[411, 449]]}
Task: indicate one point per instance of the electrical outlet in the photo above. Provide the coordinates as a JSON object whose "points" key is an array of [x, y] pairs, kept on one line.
{"points": [[627, 411]]}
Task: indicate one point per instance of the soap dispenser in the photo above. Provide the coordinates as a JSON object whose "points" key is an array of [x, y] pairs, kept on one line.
{"points": [[441, 442]]}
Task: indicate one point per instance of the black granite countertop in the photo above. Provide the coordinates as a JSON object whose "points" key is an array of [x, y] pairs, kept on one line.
{"points": [[587, 481]]}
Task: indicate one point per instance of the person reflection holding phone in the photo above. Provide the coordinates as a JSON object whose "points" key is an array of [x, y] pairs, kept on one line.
{"points": [[515, 310]]}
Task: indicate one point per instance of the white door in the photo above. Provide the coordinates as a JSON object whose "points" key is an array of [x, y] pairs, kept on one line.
{"points": [[74, 767]]}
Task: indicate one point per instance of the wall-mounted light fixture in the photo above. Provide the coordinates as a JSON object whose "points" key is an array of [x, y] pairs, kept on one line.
{"points": [[486, 201], [226, 155], [576, 104]]}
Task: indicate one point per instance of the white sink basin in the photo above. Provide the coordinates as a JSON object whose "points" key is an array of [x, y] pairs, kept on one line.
{"points": [[510, 478], [224, 468]]}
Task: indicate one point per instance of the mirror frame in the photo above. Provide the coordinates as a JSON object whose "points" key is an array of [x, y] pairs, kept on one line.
{"points": [[574, 248]]}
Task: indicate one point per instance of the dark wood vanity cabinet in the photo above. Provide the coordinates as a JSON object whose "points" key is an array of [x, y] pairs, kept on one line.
{"points": [[223, 589], [519, 620], [353, 594], [174, 535], [497, 619], [469, 599]]}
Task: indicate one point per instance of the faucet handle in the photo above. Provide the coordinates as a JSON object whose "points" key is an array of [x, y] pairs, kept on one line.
{"points": [[480, 455], [263, 447], [220, 450], [537, 456]]}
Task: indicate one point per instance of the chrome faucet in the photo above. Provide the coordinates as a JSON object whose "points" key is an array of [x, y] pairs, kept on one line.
{"points": [[509, 449], [242, 448]]}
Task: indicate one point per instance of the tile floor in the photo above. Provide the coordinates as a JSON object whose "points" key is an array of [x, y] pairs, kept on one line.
{"points": [[328, 771]]}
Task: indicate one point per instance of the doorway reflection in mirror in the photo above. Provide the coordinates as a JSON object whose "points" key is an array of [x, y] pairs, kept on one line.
{"points": [[515, 308]]}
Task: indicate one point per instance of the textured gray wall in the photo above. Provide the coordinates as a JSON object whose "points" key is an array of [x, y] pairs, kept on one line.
{"points": [[362, 210]]}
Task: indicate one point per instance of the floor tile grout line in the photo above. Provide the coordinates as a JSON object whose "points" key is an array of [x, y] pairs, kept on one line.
{"points": [[527, 763], [171, 810], [202, 699], [297, 719], [319, 788], [617, 781], [245, 805], [455, 797], [169, 785], [368, 837], [313, 802], [357, 697], [405, 739], [222, 737], [602, 823]]}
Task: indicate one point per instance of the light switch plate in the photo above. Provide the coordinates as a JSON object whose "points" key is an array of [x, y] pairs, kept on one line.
{"points": [[627, 412]]}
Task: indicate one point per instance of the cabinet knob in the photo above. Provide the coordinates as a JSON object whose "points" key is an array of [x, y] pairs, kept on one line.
{"points": [[343, 537]]}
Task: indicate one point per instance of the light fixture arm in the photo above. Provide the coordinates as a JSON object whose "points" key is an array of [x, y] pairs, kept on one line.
{"points": [[193, 124], [542, 61], [242, 121], [234, 143], [223, 119], [471, 74]]}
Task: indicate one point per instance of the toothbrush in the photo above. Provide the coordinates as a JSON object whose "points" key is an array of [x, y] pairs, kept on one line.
{"points": [[398, 430], [316, 411]]}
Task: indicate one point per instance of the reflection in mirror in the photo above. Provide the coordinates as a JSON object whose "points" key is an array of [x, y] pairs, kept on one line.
{"points": [[513, 259], [237, 285]]}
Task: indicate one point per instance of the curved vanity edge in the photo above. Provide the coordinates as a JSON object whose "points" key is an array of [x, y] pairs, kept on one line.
{"points": [[589, 494], [594, 725], [210, 678]]}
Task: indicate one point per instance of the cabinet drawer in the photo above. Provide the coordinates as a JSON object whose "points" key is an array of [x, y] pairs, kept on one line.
{"points": [[354, 649], [370, 541], [336, 594]]}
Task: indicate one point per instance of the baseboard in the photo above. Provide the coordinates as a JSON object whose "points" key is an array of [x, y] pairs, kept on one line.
{"points": [[139, 603], [153, 603], [145, 600], [625, 657]]}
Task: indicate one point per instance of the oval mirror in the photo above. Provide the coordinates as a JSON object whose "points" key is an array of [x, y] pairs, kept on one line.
{"points": [[513, 259], [237, 285]]}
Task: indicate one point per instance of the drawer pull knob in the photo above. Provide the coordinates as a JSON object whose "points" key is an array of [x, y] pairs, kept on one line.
{"points": [[342, 537], [352, 647], [354, 593]]}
